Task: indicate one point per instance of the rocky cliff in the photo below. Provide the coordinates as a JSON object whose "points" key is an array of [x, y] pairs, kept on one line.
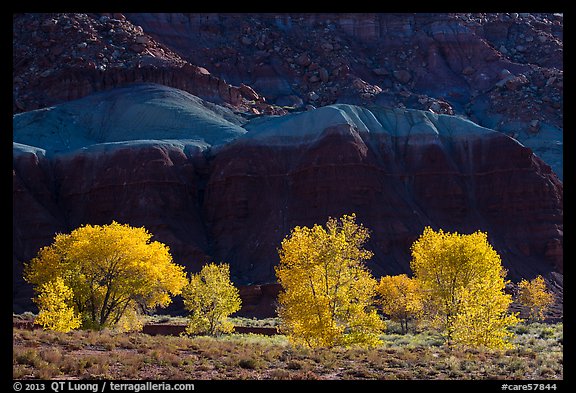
{"points": [[220, 132], [214, 186], [62, 57], [398, 169], [504, 71]]}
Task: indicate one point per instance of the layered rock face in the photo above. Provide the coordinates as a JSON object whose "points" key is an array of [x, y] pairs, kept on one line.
{"points": [[135, 155], [398, 170], [504, 71], [213, 186]]}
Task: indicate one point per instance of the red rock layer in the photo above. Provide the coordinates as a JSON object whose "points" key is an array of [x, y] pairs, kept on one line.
{"points": [[154, 186], [257, 193], [239, 207]]}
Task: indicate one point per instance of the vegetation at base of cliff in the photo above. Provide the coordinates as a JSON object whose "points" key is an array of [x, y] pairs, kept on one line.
{"points": [[463, 280], [327, 297], [102, 276], [107, 354], [210, 297]]}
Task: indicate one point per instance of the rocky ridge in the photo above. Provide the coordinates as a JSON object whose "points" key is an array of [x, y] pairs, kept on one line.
{"points": [[503, 71], [62, 57], [201, 168]]}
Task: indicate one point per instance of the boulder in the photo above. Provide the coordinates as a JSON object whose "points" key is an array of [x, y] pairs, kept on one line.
{"points": [[380, 71], [303, 60], [403, 76]]}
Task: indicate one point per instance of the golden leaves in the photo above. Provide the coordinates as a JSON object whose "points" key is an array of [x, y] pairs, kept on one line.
{"points": [[327, 297], [463, 279], [211, 297], [54, 301], [109, 269], [400, 298], [534, 296]]}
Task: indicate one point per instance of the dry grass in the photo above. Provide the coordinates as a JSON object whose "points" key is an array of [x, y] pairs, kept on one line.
{"points": [[108, 355]]}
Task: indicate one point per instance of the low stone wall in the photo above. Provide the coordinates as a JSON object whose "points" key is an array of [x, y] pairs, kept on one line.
{"points": [[161, 329], [28, 325], [155, 329]]}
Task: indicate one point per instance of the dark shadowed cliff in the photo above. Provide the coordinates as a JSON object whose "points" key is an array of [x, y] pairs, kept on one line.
{"points": [[221, 132]]}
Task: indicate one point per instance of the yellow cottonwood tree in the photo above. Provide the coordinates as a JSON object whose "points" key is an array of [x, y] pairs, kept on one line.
{"points": [[328, 293], [534, 296], [54, 300], [482, 320], [109, 269], [211, 297], [400, 298], [463, 278]]}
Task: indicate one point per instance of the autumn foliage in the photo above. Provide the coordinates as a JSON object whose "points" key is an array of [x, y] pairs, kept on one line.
{"points": [[463, 278], [211, 297], [328, 293], [400, 298], [54, 302], [103, 276], [534, 296]]}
